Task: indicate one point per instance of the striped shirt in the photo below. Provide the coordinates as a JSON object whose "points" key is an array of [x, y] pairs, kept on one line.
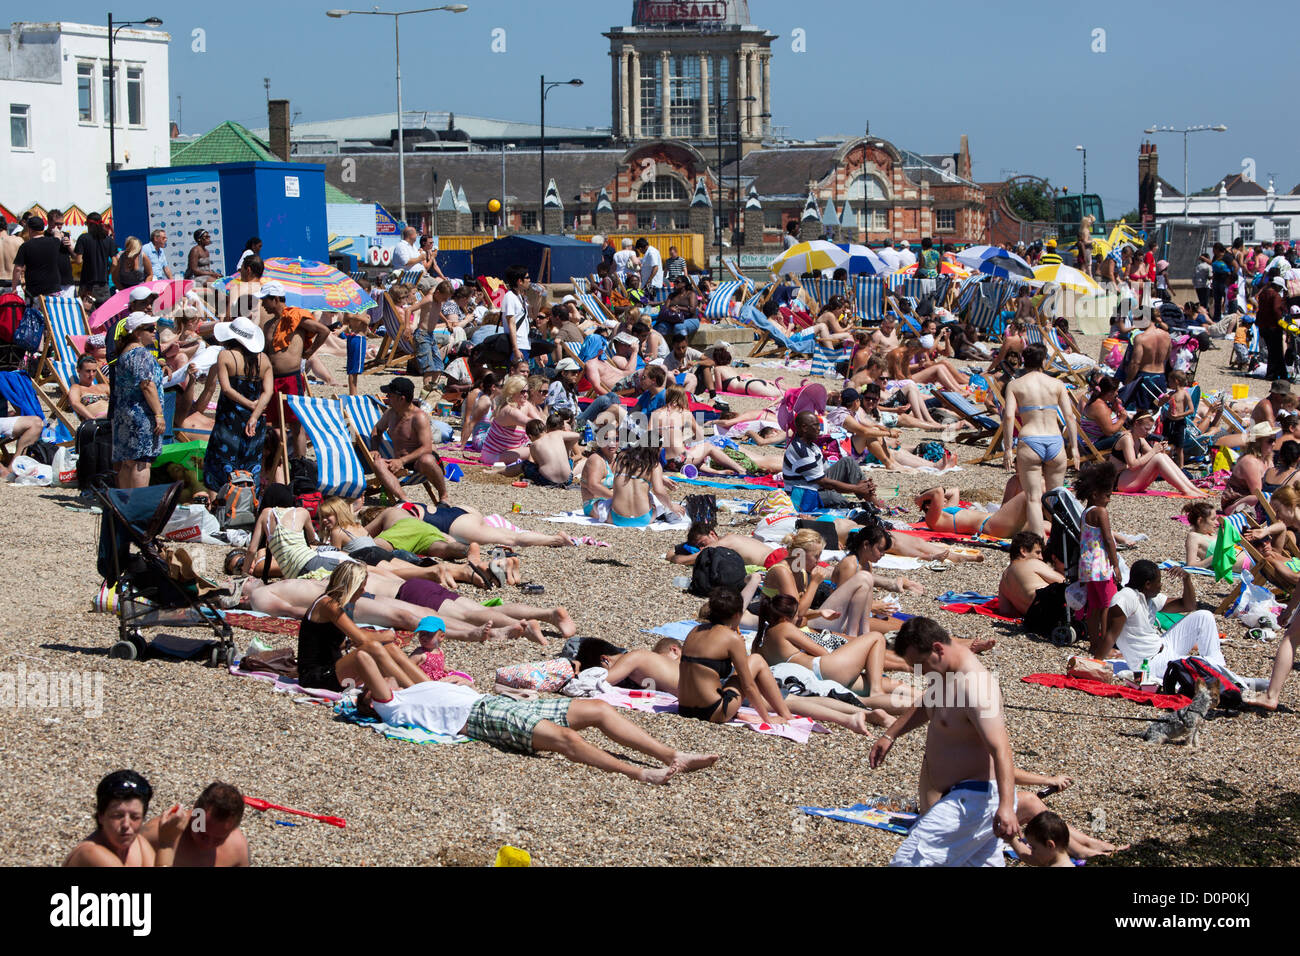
{"points": [[804, 465]]}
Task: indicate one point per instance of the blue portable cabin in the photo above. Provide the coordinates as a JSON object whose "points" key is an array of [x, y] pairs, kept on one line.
{"points": [[282, 203], [547, 258]]}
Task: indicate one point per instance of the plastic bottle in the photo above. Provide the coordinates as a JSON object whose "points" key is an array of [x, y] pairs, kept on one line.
{"points": [[681, 582], [1146, 670]]}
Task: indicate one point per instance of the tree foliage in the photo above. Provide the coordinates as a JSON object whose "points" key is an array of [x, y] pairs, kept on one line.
{"points": [[1032, 201]]}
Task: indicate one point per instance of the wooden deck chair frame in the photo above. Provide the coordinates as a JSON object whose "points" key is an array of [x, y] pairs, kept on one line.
{"points": [[367, 456], [1267, 507], [981, 432], [388, 358]]}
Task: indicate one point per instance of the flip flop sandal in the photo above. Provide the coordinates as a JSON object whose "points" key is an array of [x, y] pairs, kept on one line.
{"points": [[531, 588], [938, 565], [498, 573], [487, 577]]}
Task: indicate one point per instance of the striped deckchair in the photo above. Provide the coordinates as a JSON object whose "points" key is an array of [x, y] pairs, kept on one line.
{"points": [[730, 266], [596, 309], [580, 284], [985, 306], [411, 277], [364, 412], [339, 471], [1058, 365], [721, 304], [823, 289], [354, 276], [869, 294], [773, 334], [824, 360], [64, 318], [911, 285]]}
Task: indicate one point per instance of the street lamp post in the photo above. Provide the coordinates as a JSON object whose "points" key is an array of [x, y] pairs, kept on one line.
{"points": [[545, 89], [1085, 167], [1202, 128], [153, 22], [397, 50], [718, 104]]}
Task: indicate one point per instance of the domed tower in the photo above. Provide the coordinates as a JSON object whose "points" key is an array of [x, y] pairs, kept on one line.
{"points": [[694, 71]]}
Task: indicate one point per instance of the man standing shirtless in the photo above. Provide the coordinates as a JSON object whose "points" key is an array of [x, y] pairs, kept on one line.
{"points": [[408, 428], [426, 345], [292, 337], [967, 784], [1146, 370]]}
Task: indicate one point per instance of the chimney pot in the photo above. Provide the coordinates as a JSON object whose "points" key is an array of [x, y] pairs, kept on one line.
{"points": [[277, 116]]}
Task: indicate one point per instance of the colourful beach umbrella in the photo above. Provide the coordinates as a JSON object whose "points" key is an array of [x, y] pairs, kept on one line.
{"points": [[170, 292], [810, 257], [863, 261], [995, 262], [315, 286], [1067, 277]]}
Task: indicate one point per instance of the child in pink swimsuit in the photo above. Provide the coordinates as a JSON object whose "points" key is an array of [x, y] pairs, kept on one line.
{"points": [[429, 658]]}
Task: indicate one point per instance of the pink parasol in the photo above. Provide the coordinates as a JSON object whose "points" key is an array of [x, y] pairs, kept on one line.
{"points": [[170, 292]]}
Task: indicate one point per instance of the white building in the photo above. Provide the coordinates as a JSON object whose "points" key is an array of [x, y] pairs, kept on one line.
{"points": [[54, 91], [1235, 207]]}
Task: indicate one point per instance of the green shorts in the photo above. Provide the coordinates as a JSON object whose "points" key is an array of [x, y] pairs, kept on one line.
{"points": [[510, 723], [412, 534]]}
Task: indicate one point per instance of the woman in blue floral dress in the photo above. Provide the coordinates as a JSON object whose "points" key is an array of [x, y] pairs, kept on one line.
{"points": [[138, 423], [247, 386]]}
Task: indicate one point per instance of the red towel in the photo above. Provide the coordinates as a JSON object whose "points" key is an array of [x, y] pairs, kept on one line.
{"points": [[285, 626], [1152, 494], [988, 610], [1101, 689]]}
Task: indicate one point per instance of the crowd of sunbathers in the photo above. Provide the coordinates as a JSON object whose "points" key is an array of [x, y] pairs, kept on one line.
{"points": [[790, 630]]}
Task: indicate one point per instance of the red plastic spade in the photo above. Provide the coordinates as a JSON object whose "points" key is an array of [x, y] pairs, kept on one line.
{"points": [[259, 804]]}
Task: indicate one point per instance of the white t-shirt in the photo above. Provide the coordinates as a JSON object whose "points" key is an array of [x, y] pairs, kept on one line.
{"points": [[623, 261], [514, 312], [1140, 637], [404, 253], [433, 705], [906, 257], [652, 261]]}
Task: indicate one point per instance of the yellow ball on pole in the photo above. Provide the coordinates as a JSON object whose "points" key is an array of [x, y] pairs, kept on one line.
{"points": [[494, 205]]}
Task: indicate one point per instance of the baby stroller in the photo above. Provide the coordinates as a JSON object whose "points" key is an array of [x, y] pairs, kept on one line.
{"points": [[1066, 515], [149, 592]]}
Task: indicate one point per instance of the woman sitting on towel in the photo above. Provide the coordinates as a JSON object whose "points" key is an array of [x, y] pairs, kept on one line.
{"points": [[1203, 523], [639, 488], [910, 361], [1141, 463], [727, 379], [327, 627], [476, 411], [943, 512], [845, 601], [598, 476], [511, 412], [718, 674], [286, 531]]}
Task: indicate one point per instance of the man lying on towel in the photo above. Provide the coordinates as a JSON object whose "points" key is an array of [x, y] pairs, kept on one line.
{"points": [[535, 726], [967, 785]]}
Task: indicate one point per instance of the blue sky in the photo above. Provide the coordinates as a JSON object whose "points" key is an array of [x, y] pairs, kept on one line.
{"points": [[1020, 79]]}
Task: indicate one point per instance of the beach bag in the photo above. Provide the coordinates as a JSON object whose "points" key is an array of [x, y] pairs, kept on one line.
{"points": [[1091, 669], [94, 447], [1181, 677], [30, 330], [717, 567], [236, 505], [545, 676], [190, 523]]}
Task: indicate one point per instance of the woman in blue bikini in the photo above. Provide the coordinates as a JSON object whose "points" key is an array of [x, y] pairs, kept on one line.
{"points": [[638, 474], [943, 513], [1036, 406]]}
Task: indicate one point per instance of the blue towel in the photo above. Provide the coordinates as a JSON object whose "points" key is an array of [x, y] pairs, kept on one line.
{"points": [[679, 630], [18, 389], [965, 597]]}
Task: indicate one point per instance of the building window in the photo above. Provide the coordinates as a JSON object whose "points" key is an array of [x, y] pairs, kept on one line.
{"points": [[108, 90], [135, 96], [880, 220], [652, 117], [720, 91], [478, 222], [1246, 230], [529, 220], [945, 220], [684, 96], [663, 188], [1282, 229], [20, 129], [645, 220], [868, 188], [773, 218], [86, 92]]}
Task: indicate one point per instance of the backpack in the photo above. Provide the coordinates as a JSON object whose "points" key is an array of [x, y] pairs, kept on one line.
{"points": [[303, 476], [236, 505], [1181, 676], [12, 309], [717, 568], [30, 330]]}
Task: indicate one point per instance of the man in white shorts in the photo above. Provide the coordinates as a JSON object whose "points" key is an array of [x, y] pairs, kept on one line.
{"points": [[967, 785], [23, 430]]}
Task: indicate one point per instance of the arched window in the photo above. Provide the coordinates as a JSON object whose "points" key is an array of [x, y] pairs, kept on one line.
{"points": [[867, 189], [663, 188]]}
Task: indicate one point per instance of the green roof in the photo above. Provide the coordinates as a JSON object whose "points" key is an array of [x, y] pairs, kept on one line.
{"points": [[232, 143]]}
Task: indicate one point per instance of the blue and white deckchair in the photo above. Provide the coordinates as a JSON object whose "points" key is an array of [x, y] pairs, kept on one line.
{"points": [[339, 470], [825, 360], [19, 390], [722, 299], [869, 297], [595, 308], [64, 317], [824, 289], [365, 412], [580, 284], [802, 344]]}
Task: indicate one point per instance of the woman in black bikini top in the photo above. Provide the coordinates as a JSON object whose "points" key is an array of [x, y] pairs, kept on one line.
{"points": [[717, 673]]}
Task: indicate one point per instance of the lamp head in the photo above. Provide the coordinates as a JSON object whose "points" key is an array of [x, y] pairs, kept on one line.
{"points": [[1220, 128], [456, 7], [575, 82], [1078, 147], [1149, 129], [154, 22], [336, 14]]}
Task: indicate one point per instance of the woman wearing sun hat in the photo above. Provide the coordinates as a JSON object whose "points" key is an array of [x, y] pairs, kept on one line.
{"points": [[239, 431], [138, 422]]}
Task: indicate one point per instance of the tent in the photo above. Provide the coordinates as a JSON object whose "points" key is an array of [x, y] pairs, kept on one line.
{"points": [[547, 258]]}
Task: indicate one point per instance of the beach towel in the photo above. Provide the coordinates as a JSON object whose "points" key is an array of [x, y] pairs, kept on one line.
{"points": [[1170, 565], [757, 481], [285, 685], [799, 729], [1100, 689], [680, 629], [346, 712], [577, 517], [867, 815], [988, 609], [1154, 494]]}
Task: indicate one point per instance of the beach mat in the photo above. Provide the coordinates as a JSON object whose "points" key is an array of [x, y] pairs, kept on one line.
{"points": [[987, 610], [286, 685], [762, 482], [868, 816], [346, 712], [577, 517], [1101, 689], [799, 729]]}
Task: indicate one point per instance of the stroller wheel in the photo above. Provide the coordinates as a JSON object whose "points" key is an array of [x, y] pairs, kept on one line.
{"points": [[124, 651], [1063, 635], [228, 656]]}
